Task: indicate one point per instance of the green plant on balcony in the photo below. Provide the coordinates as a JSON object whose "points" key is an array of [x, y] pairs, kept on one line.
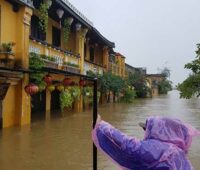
{"points": [[6, 54], [66, 30], [36, 63], [49, 58], [71, 64], [43, 16]]}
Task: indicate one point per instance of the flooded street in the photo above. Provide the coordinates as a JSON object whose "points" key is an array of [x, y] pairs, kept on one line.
{"points": [[65, 142]]}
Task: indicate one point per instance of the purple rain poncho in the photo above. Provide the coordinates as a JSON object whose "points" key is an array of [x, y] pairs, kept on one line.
{"points": [[164, 147]]}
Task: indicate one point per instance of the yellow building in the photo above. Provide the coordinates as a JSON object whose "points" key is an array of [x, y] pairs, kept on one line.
{"points": [[117, 64], [65, 37], [153, 81]]}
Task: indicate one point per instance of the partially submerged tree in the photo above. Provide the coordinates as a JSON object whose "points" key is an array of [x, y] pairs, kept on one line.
{"points": [[138, 81], [164, 86], [191, 86]]}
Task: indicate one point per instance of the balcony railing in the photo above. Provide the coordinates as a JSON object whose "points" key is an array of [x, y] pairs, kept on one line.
{"points": [[90, 66], [60, 55]]}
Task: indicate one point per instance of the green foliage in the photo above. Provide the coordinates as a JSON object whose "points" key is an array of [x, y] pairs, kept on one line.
{"points": [[92, 74], [7, 47], [164, 86], [49, 58], [66, 100], [128, 95], [36, 63], [43, 17], [42, 86], [191, 86], [66, 30], [71, 64], [138, 81], [75, 92], [110, 82], [88, 94]]}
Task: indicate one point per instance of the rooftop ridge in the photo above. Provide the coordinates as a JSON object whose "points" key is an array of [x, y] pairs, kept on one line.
{"points": [[77, 12]]}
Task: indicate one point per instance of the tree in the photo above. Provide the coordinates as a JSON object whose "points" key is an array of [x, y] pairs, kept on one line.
{"points": [[164, 86], [111, 83], [138, 81], [191, 86]]}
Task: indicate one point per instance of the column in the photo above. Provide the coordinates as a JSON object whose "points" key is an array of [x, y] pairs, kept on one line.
{"points": [[80, 40], [22, 53]]}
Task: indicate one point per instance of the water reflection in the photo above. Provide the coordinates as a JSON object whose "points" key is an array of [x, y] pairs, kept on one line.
{"points": [[65, 142]]}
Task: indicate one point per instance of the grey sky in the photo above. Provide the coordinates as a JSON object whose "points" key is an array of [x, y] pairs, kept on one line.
{"points": [[150, 33]]}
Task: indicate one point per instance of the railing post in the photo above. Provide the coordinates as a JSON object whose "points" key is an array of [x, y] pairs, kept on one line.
{"points": [[95, 105]]}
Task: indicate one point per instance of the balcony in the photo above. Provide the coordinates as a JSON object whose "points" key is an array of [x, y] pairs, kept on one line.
{"points": [[55, 57], [90, 66]]}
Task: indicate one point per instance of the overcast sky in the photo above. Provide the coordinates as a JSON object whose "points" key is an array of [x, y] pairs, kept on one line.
{"points": [[150, 33]]}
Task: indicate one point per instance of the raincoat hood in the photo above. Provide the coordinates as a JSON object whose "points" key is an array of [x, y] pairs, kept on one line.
{"points": [[171, 131], [164, 147]]}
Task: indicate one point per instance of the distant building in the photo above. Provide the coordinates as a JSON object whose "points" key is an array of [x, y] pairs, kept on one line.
{"points": [[116, 64], [153, 81], [132, 70]]}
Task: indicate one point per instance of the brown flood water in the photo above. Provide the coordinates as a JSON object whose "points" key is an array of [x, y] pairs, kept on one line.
{"points": [[64, 143]]}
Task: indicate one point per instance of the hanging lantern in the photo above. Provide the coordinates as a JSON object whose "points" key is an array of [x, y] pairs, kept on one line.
{"points": [[60, 88], [70, 20], [60, 13], [67, 81], [73, 83], [78, 27], [48, 79], [51, 88], [48, 2], [31, 89], [82, 83]]}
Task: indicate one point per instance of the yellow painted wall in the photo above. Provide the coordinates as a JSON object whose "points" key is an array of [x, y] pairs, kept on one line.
{"points": [[8, 22], [15, 28], [9, 106]]}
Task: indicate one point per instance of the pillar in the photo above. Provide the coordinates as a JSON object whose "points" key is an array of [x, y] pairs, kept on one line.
{"points": [[22, 53], [80, 40]]}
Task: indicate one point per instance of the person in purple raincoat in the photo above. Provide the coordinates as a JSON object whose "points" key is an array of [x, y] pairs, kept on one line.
{"points": [[164, 147]]}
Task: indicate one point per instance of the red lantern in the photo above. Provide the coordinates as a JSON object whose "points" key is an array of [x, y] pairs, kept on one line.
{"points": [[31, 89], [48, 79], [67, 81], [82, 83], [72, 83]]}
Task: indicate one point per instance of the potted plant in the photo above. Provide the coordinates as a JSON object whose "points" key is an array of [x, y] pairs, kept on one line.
{"points": [[49, 61], [7, 55], [71, 67]]}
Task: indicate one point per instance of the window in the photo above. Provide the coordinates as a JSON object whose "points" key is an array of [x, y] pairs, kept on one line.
{"points": [[35, 29], [92, 54], [56, 34]]}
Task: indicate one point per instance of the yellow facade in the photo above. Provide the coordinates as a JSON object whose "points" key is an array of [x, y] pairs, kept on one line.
{"points": [[15, 27], [118, 67], [153, 80]]}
